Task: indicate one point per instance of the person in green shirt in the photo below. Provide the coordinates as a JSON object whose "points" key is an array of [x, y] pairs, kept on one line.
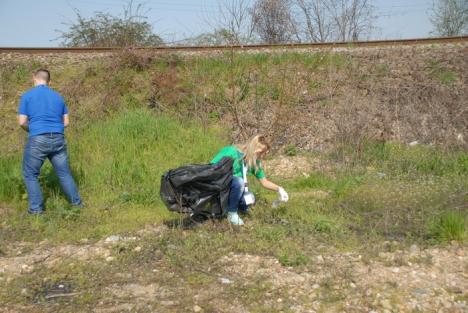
{"points": [[250, 154]]}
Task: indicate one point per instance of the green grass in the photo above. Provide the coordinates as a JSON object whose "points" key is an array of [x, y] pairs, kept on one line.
{"points": [[386, 190], [118, 165], [442, 74], [135, 117], [402, 160], [451, 225]]}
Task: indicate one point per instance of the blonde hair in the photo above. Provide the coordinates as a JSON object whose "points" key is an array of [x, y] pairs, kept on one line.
{"points": [[250, 148]]}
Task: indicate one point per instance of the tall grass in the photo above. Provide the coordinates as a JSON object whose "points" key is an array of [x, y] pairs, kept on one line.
{"points": [[384, 190], [135, 148], [118, 164], [403, 160], [451, 225], [11, 182]]}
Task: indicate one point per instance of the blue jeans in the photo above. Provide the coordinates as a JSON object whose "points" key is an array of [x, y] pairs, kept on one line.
{"points": [[54, 147], [236, 199]]}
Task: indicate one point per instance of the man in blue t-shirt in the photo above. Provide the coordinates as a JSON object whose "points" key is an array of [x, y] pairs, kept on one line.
{"points": [[44, 115]]}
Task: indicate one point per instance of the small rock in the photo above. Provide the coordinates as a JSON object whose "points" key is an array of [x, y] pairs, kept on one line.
{"points": [[460, 252], [352, 285], [414, 250], [386, 304], [196, 308], [27, 268], [413, 143], [112, 239], [24, 291], [137, 249], [110, 259], [320, 259], [446, 304], [225, 281], [316, 286], [386, 255], [279, 300], [395, 270]]}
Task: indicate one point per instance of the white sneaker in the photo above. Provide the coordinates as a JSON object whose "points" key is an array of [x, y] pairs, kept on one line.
{"points": [[234, 218]]}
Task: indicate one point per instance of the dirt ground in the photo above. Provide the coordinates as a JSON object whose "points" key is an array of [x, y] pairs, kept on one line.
{"points": [[394, 279]]}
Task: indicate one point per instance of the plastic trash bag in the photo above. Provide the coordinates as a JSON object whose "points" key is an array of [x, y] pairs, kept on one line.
{"points": [[201, 189]]}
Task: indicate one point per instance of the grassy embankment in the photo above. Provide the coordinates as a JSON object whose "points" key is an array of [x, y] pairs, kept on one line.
{"points": [[133, 118]]}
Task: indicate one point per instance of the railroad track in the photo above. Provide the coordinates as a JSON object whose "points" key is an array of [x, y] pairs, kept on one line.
{"points": [[372, 43]]}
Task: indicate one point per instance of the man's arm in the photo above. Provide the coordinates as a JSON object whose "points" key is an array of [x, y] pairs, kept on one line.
{"points": [[23, 113], [66, 120], [23, 122]]}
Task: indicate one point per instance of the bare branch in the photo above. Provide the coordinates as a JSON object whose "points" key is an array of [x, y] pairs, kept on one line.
{"points": [[352, 19], [273, 21], [450, 17]]}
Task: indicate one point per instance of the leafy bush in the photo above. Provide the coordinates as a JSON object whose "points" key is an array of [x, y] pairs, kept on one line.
{"points": [[106, 30]]}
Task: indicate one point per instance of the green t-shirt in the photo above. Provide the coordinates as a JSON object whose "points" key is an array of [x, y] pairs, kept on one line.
{"points": [[236, 155]]}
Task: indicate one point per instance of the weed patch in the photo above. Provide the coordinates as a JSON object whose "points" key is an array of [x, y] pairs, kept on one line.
{"points": [[449, 226]]}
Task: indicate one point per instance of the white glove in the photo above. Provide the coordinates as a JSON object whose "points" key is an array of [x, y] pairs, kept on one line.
{"points": [[283, 195]]}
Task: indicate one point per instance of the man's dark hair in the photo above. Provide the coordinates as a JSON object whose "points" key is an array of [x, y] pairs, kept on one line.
{"points": [[42, 74]]}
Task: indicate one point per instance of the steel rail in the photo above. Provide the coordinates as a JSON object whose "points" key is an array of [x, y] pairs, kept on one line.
{"points": [[372, 43]]}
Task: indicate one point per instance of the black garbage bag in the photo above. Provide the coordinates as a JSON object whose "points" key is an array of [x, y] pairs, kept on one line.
{"points": [[201, 189]]}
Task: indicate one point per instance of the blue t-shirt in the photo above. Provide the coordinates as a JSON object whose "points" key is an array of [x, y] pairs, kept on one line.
{"points": [[44, 108]]}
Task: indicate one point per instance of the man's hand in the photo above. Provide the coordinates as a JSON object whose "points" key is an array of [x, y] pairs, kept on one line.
{"points": [[66, 120], [23, 122]]}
